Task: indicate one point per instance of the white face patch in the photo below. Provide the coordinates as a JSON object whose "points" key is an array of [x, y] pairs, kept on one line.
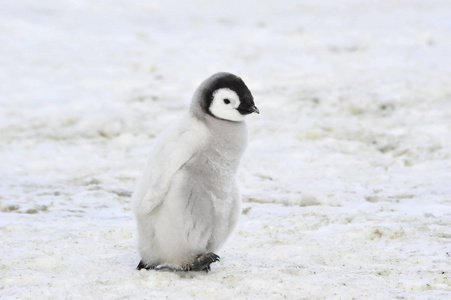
{"points": [[224, 105]]}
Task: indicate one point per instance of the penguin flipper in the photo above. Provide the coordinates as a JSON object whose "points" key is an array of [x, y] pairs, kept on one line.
{"points": [[170, 153]]}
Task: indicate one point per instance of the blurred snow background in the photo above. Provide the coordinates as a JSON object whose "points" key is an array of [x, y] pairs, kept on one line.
{"points": [[346, 182]]}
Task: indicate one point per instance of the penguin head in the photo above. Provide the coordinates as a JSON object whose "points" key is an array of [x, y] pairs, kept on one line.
{"points": [[225, 96]]}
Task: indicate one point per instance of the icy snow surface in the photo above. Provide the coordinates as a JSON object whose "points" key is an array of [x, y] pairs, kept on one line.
{"points": [[346, 182]]}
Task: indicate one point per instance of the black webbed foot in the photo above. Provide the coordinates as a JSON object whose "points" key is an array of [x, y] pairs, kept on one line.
{"points": [[143, 265], [202, 262]]}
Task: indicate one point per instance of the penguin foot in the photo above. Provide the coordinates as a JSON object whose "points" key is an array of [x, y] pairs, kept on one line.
{"points": [[202, 262], [143, 265]]}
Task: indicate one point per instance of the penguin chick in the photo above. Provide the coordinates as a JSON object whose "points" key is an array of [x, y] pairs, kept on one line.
{"points": [[187, 201]]}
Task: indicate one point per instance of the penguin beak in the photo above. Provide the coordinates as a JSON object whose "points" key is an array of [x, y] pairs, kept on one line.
{"points": [[248, 110], [255, 109]]}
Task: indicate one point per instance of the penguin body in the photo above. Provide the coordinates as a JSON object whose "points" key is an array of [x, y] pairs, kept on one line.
{"points": [[187, 202]]}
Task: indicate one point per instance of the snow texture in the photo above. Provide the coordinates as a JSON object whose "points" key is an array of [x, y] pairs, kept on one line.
{"points": [[346, 182]]}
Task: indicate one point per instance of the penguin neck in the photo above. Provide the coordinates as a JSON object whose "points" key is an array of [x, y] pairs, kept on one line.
{"points": [[223, 126], [227, 135]]}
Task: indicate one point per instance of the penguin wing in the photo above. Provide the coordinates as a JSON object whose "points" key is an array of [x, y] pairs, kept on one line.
{"points": [[171, 151]]}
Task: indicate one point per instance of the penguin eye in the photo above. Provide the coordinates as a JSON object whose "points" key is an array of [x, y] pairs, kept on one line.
{"points": [[226, 101]]}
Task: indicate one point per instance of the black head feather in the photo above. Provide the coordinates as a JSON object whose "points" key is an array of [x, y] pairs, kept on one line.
{"points": [[232, 82]]}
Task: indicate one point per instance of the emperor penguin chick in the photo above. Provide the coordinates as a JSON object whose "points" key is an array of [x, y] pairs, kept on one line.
{"points": [[187, 201]]}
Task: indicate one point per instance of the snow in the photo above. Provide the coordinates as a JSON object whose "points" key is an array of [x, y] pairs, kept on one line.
{"points": [[346, 181]]}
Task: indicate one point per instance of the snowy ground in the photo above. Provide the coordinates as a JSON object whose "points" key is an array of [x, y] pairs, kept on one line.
{"points": [[346, 182]]}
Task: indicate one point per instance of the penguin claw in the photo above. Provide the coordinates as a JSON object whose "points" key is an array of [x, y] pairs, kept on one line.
{"points": [[203, 262], [143, 265]]}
